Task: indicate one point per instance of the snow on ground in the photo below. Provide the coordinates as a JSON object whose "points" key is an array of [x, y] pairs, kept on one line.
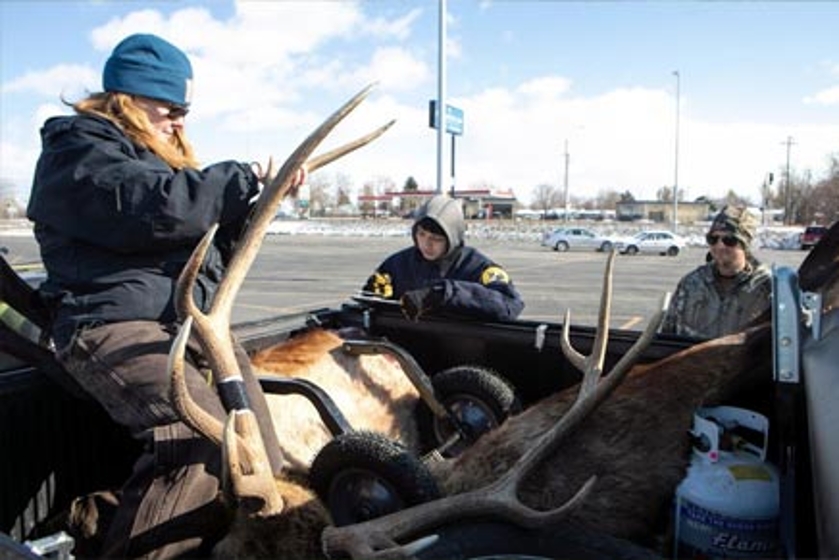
{"points": [[768, 237]]}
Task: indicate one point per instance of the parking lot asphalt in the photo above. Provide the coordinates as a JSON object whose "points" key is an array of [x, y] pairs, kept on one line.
{"points": [[295, 273]]}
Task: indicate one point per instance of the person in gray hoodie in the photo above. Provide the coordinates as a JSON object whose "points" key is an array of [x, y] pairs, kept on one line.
{"points": [[439, 274]]}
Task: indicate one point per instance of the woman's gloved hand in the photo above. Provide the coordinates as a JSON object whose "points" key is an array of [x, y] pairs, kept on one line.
{"points": [[417, 303]]}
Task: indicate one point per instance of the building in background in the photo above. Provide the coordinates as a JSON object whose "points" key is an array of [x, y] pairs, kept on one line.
{"points": [[662, 212]]}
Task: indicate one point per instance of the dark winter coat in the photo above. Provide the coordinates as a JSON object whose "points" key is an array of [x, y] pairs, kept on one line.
{"points": [[472, 285], [116, 224]]}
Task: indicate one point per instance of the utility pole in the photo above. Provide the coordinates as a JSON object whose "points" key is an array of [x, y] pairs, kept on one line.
{"points": [[441, 91], [787, 198], [565, 182], [676, 160]]}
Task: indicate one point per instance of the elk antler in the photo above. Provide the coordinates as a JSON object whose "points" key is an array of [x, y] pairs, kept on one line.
{"points": [[378, 538], [252, 479], [247, 472]]}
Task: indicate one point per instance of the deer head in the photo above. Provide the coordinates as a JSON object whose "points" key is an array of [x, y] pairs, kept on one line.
{"points": [[249, 473]]}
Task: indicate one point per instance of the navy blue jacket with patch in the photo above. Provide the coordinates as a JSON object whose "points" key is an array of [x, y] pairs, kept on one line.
{"points": [[116, 224], [472, 285]]}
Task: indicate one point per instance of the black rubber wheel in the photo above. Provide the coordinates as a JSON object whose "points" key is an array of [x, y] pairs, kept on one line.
{"points": [[672, 251], [364, 475], [606, 247], [498, 540], [477, 396], [631, 250], [562, 246]]}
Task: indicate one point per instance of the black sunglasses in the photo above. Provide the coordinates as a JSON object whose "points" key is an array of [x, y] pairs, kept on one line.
{"points": [[176, 112], [727, 240]]}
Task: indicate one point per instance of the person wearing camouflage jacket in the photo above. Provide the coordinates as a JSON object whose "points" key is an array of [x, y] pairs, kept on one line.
{"points": [[728, 292]]}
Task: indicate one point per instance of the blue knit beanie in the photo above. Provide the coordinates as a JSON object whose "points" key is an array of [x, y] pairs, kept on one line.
{"points": [[147, 65]]}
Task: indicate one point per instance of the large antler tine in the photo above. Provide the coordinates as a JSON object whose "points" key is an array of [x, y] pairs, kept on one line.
{"points": [[319, 161], [630, 356], [576, 358], [193, 415], [592, 365], [270, 198], [184, 303], [251, 478], [601, 338]]}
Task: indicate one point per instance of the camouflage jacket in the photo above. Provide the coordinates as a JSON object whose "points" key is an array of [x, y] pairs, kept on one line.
{"points": [[703, 307]]}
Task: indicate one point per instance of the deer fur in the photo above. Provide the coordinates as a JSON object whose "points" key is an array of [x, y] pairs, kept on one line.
{"points": [[293, 534], [636, 442], [373, 393]]}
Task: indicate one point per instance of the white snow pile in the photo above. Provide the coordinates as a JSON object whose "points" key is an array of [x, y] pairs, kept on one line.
{"points": [[768, 237]]}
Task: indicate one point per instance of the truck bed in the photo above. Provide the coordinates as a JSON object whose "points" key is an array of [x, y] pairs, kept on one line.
{"points": [[56, 445]]}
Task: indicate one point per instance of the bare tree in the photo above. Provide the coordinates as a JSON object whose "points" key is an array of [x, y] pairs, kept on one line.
{"points": [[319, 196], [409, 204], [607, 199], [627, 196], [664, 194], [343, 190], [734, 199], [9, 205], [545, 197], [821, 203]]}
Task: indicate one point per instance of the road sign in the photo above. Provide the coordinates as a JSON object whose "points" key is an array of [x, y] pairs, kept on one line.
{"points": [[454, 118]]}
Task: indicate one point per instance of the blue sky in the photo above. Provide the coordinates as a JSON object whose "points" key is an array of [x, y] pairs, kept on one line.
{"points": [[529, 76]]}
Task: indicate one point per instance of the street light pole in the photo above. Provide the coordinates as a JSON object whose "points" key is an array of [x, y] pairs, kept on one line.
{"points": [[441, 90], [565, 182], [676, 160]]}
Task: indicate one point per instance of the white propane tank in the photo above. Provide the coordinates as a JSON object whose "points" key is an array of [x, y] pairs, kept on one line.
{"points": [[728, 505]]}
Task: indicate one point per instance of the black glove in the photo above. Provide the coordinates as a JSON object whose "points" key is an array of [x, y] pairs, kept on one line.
{"points": [[421, 301]]}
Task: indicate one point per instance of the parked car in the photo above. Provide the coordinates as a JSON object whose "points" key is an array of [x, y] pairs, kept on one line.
{"points": [[652, 242], [575, 238], [810, 236]]}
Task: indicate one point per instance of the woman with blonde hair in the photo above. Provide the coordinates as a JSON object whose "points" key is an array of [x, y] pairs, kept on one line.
{"points": [[119, 202]]}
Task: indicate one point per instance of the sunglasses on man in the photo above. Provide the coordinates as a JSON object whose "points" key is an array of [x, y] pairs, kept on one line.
{"points": [[727, 240]]}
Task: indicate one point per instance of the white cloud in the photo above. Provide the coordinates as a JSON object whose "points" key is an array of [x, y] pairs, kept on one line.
{"points": [[828, 96], [397, 69], [400, 28], [68, 80], [551, 86]]}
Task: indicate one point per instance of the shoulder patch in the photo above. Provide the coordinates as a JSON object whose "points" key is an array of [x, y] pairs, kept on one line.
{"points": [[380, 284], [495, 275]]}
